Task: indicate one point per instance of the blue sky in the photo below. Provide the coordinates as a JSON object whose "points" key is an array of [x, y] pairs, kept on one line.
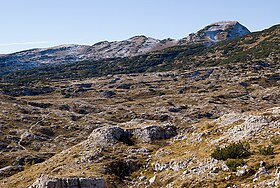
{"points": [[42, 23]]}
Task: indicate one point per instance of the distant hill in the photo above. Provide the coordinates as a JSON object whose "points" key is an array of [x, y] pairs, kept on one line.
{"points": [[135, 46]]}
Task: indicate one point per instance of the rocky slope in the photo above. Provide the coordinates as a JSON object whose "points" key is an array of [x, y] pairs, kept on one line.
{"points": [[213, 124], [144, 130], [216, 32], [134, 46]]}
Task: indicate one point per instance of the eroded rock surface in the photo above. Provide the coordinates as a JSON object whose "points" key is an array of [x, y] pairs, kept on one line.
{"points": [[78, 182]]}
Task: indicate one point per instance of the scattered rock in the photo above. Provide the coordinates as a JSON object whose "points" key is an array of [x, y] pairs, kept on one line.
{"points": [[40, 105], [142, 178], [124, 86], [142, 151], [3, 146], [115, 80], [122, 168], [160, 117], [108, 94], [10, 170], [84, 85], [153, 179], [241, 171], [28, 137], [174, 109], [44, 130], [75, 182], [28, 160], [36, 91]]}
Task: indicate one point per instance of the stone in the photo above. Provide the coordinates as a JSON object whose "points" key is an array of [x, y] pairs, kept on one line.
{"points": [[67, 182], [84, 85], [3, 146], [262, 164], [241, 171], [10, 170], [261, 172], [151, 133], [36, 91], [124, 86], [106, 136], [44, 130], [153, 179], [228, 177], [28, 160], [108, 94], [277, 173], [142, 178], [174, 109]]}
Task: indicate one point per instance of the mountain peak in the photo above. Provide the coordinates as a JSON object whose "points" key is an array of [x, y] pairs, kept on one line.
{"points": [[138, 37], [216, 32], [227, 22]]}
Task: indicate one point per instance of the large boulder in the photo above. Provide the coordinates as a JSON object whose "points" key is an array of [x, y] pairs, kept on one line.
{"points": [[106, 136], [74, 182], [151, 133]]}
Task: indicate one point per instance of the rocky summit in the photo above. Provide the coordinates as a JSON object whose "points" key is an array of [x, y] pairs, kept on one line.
{"points": [[203, 111], [216, 32]]}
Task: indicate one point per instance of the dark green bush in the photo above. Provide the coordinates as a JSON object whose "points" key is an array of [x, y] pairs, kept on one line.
{"points": [[233, 151], [269, 150], [234, 163], [275, 141]]}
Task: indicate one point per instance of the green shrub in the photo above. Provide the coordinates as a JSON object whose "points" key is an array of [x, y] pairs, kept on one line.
{"points": [[233, 151], [269, 150], [275, 141], [234, 163], [209, 125]]}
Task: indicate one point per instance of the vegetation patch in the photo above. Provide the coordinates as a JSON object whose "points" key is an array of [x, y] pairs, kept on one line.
{"points": [[234, 163], [237, 150], [269, 150]]}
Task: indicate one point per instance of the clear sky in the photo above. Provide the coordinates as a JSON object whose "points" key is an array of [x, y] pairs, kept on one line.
{"points": [[42, 23]]}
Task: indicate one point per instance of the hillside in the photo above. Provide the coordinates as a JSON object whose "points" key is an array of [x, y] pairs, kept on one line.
{"points": [[254, 49], [190, 115], [205, 107]]}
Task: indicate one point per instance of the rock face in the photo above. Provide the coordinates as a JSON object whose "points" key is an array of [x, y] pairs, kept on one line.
{"points": [[151, 133], [216, 32], [106, 136], [46, 182], [247, 127]]}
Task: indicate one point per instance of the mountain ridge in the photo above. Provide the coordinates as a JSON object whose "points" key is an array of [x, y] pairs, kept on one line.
{"points": [[134, 46]]}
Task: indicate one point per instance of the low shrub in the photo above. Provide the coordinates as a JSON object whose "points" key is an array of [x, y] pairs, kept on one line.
{"points": [[269, 150], [275, 141], [234, 163], [236, 150]]}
